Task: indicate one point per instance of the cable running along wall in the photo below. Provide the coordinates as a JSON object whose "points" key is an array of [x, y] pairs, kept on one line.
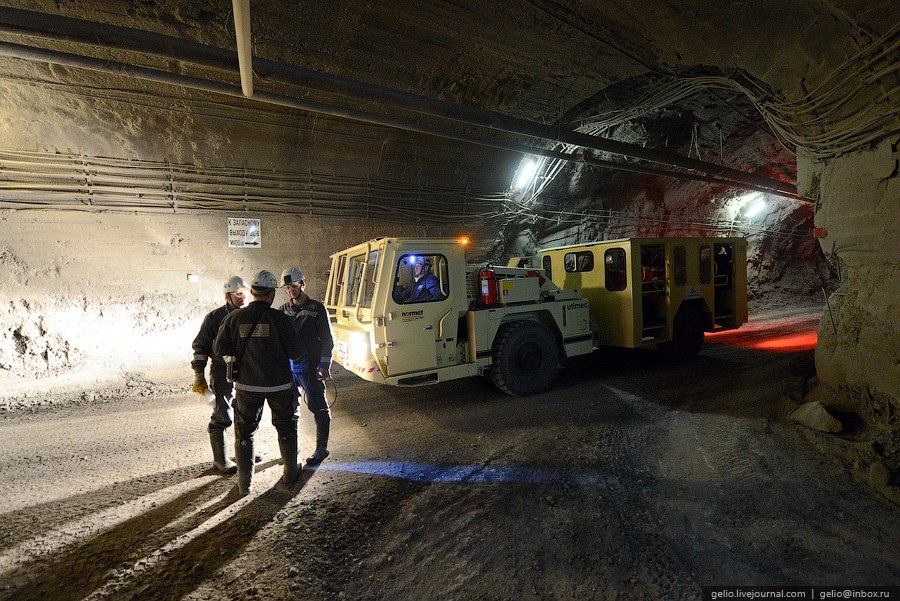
{"points": [[35, 180], [857, 104]]}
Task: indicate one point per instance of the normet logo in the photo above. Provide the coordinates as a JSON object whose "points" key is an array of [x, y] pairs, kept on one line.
{"points": [[412, 315], [578, 305]]}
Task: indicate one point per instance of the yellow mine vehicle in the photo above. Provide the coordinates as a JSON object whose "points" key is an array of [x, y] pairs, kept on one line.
{"points": [[408, 311], [662, 292]]}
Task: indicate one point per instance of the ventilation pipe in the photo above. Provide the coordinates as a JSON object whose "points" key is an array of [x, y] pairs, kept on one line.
{"points": [[245, 54]]}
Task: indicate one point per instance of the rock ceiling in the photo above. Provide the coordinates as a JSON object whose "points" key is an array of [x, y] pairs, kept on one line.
{"points": [[420, 94]]}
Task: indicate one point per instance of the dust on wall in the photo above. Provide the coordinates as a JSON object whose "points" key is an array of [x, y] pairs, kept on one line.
{"points": [[94, 300], [858, 354]]}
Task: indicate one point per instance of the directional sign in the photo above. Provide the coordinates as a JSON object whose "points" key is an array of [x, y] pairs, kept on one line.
{"points": [[244, 233]]}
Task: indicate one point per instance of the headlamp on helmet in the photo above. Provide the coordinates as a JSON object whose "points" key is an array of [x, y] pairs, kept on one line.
{"points": [[292, 275]]}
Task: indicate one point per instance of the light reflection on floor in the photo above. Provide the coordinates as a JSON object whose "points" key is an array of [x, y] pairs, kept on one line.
{"points": [[779, 338], [471, 474], [788, 343]]}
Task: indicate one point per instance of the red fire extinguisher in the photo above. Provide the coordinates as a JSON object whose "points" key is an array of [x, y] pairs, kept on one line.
{"points": [[490, 293]]}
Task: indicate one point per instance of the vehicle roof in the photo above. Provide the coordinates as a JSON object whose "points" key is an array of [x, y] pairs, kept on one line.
{"points": [[623, 241], [392, 240]]}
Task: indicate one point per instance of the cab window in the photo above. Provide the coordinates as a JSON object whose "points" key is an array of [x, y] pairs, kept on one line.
{"points": [[355, 271], [337, 281], [614, 262], [579, 261], [546, 264], [371, 274], [421, 278]]}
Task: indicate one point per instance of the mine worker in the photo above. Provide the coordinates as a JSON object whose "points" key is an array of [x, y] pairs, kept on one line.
{"points": [[261, 342], [313, 328], [235, 290], [425, 286]]}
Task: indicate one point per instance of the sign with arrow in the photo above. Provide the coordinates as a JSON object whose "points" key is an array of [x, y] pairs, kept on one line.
{"points": [[244, 233]]}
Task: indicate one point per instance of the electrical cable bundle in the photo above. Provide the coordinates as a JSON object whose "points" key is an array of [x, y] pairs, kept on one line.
{"points": [[76, 182], [853, 106]]}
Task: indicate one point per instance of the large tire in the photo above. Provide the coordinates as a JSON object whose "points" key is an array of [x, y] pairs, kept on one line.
{"points": [[525, 358], [687, 337]]}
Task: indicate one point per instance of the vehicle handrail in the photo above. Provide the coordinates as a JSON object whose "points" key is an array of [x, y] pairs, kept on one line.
{"points": [[362, 284], [441, 322]]}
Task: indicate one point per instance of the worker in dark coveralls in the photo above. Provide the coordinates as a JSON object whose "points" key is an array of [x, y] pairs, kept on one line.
{"points": [[262, 342], [236, 292], [313, 328]]}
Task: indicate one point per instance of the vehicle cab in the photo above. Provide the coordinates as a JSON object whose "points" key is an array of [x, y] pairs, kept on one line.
{"points": [[396, 306]]}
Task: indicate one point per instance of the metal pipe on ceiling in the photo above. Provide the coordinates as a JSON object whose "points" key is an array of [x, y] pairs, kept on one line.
{"points": [[241, 10], [19, 21]]}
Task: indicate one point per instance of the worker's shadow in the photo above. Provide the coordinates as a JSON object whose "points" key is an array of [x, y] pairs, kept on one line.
{"points": [[36, 520], [83, 567]]}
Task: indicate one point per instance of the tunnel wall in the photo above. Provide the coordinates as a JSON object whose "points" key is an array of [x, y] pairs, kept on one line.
{"points": [[94, 299], [858, 354], [98, 300]]}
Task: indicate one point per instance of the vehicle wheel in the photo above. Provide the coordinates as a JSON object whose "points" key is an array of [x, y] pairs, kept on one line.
{"points": [[525, 358], [687, 338]]}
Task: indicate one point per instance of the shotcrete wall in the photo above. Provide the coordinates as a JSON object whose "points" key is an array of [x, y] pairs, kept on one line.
{"points": [[94, 299], [97, 300], [859, 341]]}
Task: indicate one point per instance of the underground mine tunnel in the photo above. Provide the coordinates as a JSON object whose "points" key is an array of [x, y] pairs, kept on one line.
{"points": [[149, 151]]}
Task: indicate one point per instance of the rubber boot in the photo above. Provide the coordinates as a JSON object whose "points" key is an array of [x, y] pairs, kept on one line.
{"points": [[289, 457], [220, 459], [245, 467], [323, 425]]}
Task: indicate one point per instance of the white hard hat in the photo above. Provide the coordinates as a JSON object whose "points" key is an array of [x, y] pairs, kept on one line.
{"points": [[291, 275], [234, 284], [264, 280]]}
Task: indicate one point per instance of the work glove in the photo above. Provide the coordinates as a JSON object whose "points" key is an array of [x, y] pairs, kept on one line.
{"points": [[323, 373], [200, 386], [296, 367]]}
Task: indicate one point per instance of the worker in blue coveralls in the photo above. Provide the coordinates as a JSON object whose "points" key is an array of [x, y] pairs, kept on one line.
{"points": [[425, 285], [313, 328]]}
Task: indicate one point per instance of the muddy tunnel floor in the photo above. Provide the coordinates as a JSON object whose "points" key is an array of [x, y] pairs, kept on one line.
{"points": [[633, 478]]}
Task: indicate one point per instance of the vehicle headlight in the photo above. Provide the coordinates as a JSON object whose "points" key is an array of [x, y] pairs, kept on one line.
{"points": [[359, 348]]}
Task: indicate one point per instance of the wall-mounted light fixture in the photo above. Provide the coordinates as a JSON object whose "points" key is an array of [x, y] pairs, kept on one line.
{"points": [[193, 277], [747, 206], [754, 209], [524, 174]]}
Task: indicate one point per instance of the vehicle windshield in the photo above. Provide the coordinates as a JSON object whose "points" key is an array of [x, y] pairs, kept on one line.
{"points": [[358, 279]]}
